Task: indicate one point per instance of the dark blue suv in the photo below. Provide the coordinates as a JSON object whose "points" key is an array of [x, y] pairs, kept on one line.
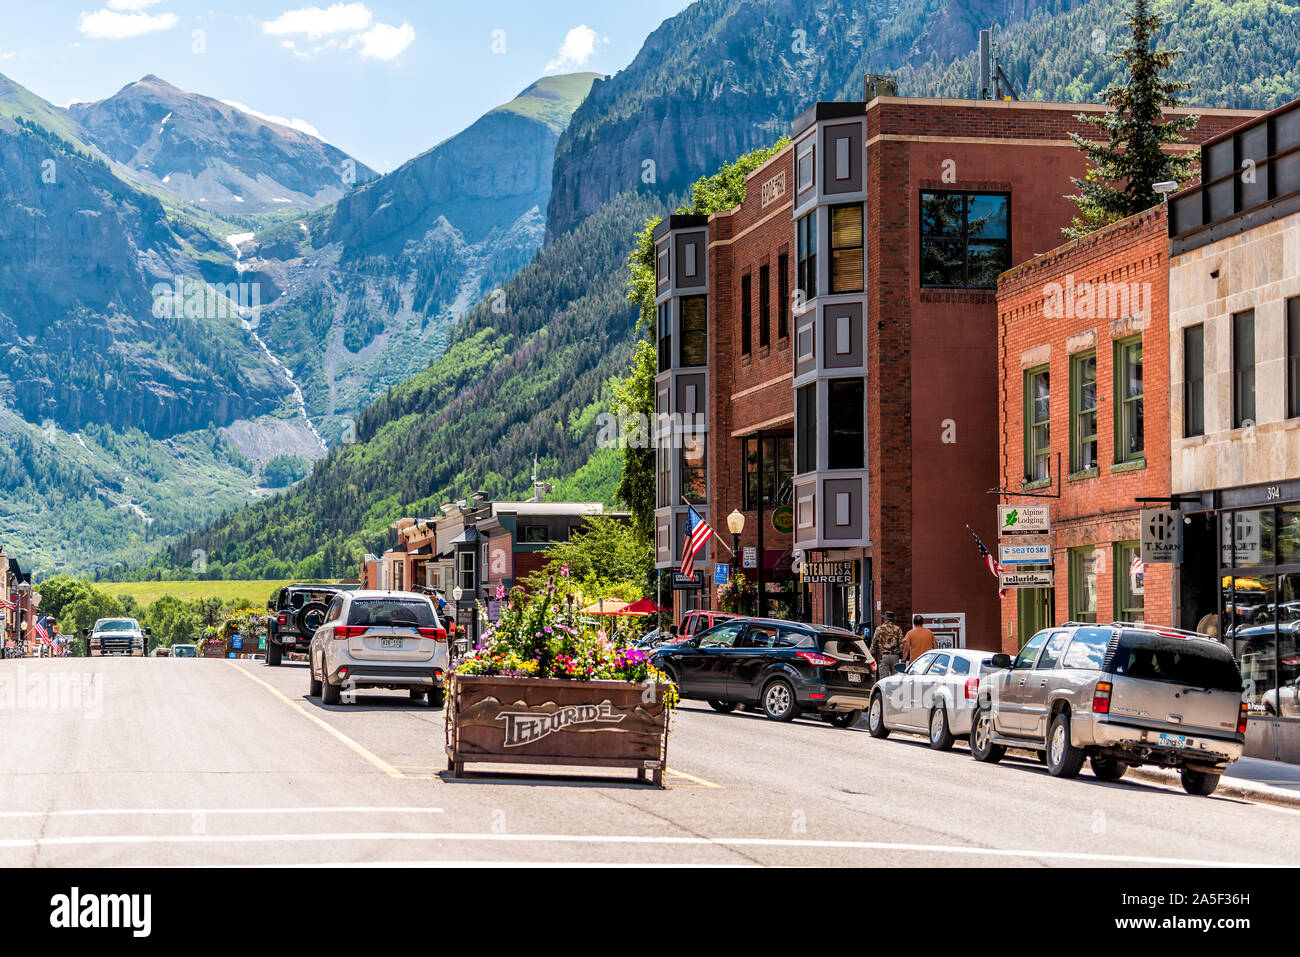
{"points": [[782, 667]]}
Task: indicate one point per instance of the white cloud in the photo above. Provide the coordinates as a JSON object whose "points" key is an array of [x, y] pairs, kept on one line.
{"points": [[109, 25], [132, 4], [302, 126], [386, 42], [315, 22], [578, 46], [6, 56]]}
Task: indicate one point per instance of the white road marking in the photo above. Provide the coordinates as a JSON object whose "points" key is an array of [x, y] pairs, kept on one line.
{"points": [[625, 839], [189, 812]]}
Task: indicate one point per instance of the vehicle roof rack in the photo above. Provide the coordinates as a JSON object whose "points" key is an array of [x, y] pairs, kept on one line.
{"points": [[1167, 630]]}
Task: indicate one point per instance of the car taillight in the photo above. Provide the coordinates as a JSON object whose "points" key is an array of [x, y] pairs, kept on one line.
{"points": [[1101, 698], [874, 667], [437, 634], [350, 631], [816, 658], [281, 619], [972, 688], [1241, 721]]}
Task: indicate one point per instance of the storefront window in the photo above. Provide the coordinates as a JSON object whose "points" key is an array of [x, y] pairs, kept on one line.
{"points": [[1286, 699], [1130, 575], [1247, 538], [1083, 584], [1287, 535]]}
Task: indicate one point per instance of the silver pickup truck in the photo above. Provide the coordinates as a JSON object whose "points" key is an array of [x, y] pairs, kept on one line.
{"points": [[1119, 695]]}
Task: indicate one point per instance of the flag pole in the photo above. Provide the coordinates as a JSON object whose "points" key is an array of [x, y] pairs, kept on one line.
{"points": [[713, 531]]}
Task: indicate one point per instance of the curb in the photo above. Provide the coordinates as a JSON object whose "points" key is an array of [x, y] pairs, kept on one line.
{"points": [[1228, 786]]}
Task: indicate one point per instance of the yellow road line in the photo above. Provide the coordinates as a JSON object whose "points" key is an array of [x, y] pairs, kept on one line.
{"points": [[690, 777], [370, 756]]}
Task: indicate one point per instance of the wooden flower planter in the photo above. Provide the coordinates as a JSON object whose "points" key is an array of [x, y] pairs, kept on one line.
{"points": [[557, 721]]}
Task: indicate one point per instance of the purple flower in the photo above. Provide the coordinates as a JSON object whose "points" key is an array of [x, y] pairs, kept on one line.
{"points": [[501, 592]]}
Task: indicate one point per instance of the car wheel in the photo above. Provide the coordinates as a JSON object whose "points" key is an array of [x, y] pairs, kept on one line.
{"points": [[1064, 760], [726, 707], [273, 654], [778, 701], [876, 718], [437, 697], [982, 746], [330, 693], [941, 736], [671, 674], [1199, 782], [843, 719], [1107, 769]]}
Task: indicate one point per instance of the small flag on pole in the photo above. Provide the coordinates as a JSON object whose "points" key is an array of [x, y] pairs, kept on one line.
{"points": [[39, 628], [993, 565], [698, 534]]}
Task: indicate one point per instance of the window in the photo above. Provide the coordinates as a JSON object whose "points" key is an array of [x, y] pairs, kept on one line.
{"points": [[805, 280], [783, 296], [965, 239], [665, 336], [1038, 427], [769, 466], [920, 664], [694, 481], [746, 315], [1083, 584], [1030, 651], [1194, 380], [846, 248], [399, 583], [1087, 650], [1129, 576], [663, 470], [465, 577], [1293, 357], [960, 666], [1243, 369], [1128, 400], [1052, 650], [695, 331], [764, 307], [722, 636], [805, 423], [940, 666], [536, 534], [1083, 418], [845, 414]]}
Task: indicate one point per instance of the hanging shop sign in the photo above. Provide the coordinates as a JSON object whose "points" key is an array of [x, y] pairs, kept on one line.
{"points": [[1030, 578], [1026, 553], [1162, 536], [830, 573], [1024, 520]]}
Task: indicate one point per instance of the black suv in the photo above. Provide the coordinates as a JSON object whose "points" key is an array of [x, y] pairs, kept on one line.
{"points": [[783, 667], [296, 612]]}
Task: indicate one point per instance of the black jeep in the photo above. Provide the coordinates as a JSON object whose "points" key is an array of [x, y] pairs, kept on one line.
{"points": [[296, 612]]}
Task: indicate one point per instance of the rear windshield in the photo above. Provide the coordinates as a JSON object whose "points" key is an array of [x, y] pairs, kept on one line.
{"points": [[848, 645], [184, 651], [392, 611], [299, 598], [117, 624], [1189, 661]]}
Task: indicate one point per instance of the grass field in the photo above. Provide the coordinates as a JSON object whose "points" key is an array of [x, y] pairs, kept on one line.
{"points": [[255, 593]]}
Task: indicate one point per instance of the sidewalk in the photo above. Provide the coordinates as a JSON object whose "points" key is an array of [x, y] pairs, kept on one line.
{"points": [[1271, 782]]}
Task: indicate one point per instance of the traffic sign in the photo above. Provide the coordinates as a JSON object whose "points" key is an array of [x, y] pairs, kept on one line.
{"points": [[750, 557], [1024, 520], [721, 574], [1025, 553], [1030, 578], [1162, 536]]}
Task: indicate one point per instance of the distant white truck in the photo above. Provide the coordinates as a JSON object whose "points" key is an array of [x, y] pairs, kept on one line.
{"points": [[116, 636]]}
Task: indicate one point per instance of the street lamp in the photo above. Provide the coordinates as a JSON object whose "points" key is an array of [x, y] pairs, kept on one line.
{"points": [[736, 525]]}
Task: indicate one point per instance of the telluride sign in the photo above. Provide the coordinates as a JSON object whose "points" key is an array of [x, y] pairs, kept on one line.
{"points": [[525, 726]]}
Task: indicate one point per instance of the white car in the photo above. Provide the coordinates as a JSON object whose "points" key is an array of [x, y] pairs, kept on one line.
{"points": [[117, 636], [935, 696], [379, 639]]}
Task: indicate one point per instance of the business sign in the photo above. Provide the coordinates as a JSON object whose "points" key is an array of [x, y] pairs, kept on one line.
{"points": [[525, 727], [1025, 553], [1030, 578], [750, 557], [774, 188], [1162, 536], [830, 573], [783, 519], [721, 574], [694, 581], [1024, 520]]}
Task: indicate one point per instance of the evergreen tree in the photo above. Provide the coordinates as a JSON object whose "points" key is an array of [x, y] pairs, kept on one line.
{"points": [[1124, 168]]}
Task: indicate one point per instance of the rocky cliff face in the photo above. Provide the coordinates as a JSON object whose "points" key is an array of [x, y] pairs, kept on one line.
{"points": [[215, 155]]}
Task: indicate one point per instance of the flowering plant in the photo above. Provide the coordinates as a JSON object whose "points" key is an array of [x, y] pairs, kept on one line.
{"points": [[738, 596]]}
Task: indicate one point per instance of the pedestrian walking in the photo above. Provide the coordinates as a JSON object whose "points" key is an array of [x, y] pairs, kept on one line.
{"points": [[919, 640], [887, 646]]}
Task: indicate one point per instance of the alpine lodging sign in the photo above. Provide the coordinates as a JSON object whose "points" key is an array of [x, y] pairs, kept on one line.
{"points": [[1024, 520]]}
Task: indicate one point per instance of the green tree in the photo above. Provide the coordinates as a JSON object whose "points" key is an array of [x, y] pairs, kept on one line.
{"points": [[602, 557], [1125, 166], [634, 396]]}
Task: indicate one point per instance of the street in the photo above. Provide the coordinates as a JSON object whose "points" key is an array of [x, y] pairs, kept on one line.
{"points": [[213, 762]]}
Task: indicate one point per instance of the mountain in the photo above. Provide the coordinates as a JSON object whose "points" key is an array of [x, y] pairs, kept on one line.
{"points": [[214, 154], [373, 284]]}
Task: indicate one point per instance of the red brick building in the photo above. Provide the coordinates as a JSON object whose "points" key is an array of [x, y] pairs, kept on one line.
{"points": [[864, 417], [1083, 359]]}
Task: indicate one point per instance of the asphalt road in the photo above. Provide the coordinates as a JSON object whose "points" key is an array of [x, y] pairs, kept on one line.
{"points": [[209, 762]]}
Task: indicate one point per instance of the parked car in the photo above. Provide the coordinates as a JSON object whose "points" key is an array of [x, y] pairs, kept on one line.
{"points": [[185, 651], [116, 636], [935, 696], [296, 612], [160, 653], [1120, 695], [379, 639], [783, 667], [699, 620]]}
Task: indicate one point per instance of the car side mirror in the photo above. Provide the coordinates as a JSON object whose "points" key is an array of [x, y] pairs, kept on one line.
{"points": [[85, 632], [1000, 661], [149, 632]]}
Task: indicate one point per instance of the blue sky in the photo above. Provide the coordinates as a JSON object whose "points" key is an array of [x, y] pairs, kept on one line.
{"points": [[380, 79]]}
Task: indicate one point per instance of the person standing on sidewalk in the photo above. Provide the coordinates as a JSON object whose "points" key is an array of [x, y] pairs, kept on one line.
{"points": [[918, 641], [887, 646]]}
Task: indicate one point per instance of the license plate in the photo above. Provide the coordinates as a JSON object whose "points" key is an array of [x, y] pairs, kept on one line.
{"points": [[1174, 741], [390, 643], [855, 677]]}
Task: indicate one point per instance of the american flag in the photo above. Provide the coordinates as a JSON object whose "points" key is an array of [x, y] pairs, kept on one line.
{"points": [[1137, 568], [698, 534], [7, 604], [39, 628], [993, 565]]}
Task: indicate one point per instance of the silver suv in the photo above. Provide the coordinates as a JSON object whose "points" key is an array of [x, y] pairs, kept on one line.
{"points": [[1120, 695], [379, 639]]}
